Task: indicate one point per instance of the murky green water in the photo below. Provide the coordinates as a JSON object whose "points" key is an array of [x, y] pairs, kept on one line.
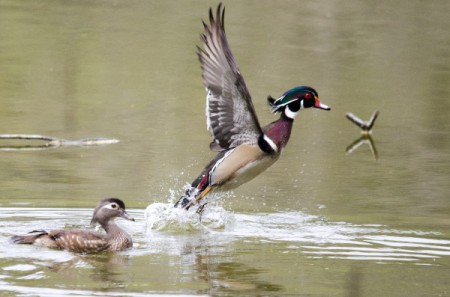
{"points": [[320, 222]]}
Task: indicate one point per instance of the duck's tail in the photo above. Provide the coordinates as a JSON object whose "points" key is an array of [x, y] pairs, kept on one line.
{"points": [[188, 196], [30, 238], [196, 192]]}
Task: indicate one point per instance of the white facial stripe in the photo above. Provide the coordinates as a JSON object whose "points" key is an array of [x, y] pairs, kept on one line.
{"points": [[284, 104], [289, 113], [271, 143]]}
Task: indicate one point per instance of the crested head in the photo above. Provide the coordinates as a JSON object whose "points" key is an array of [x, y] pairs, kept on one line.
{"points": [[117, 201], [295, 99], [108, 209]]}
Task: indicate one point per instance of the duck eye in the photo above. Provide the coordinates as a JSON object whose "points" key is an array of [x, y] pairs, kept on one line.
{"points": [[308, 96], [114, 206]]}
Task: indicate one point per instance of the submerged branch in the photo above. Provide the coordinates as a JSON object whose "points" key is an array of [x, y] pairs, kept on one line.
{"points": [[52, 141], [28, 136]]}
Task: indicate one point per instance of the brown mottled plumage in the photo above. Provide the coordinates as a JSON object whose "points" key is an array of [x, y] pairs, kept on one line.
{"points": [[84, 241]]}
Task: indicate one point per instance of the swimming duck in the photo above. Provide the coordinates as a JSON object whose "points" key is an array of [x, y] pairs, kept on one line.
{"points": [[245, 149], [85, 241]]}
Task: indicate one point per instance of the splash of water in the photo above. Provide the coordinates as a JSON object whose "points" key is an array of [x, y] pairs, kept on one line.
{"points": [[165, 217]]}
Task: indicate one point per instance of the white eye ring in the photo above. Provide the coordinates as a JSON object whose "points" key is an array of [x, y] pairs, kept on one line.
{"points": [[111, 206]]}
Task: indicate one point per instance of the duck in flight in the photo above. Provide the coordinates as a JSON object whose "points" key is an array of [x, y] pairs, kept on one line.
{"points": [[245, 149]]}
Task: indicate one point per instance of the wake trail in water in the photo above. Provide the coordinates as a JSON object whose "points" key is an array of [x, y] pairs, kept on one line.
{"points": [[311, 235]]}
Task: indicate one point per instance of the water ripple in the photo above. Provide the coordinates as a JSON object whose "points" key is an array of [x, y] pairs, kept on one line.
{"points": [[310, 235], [163, 229]]}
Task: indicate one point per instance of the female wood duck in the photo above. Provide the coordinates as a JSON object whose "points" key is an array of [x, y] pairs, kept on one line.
{"points": [[84, 241], [245, 148]]}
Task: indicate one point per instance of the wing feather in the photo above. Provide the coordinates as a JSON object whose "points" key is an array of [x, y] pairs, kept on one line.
{"points": [[231, 117]]}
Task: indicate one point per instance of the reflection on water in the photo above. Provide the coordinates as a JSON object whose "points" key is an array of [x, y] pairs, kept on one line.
{"points": [[363, 139]]}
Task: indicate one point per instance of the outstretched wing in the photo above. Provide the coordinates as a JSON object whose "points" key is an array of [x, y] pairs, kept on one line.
{"points": [[230, 115]]}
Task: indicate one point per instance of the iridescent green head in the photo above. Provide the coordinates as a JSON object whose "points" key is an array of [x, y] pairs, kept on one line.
{"points": [[295, 99]]}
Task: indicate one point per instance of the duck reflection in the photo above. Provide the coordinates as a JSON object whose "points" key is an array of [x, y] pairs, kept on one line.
{"points": [[105, 268], [215, 262], [232, 277], [354, 281]]}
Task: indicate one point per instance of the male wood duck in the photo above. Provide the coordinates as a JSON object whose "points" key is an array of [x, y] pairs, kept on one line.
{"points": [[245, 148], [84, 241]]}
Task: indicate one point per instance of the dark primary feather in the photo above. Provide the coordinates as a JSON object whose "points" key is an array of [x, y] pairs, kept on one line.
{"points": [[231, 117], [30, 238]]}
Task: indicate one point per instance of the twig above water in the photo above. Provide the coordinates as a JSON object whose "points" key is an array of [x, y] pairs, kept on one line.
{"points": [[366, 130], [366, 126]]}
